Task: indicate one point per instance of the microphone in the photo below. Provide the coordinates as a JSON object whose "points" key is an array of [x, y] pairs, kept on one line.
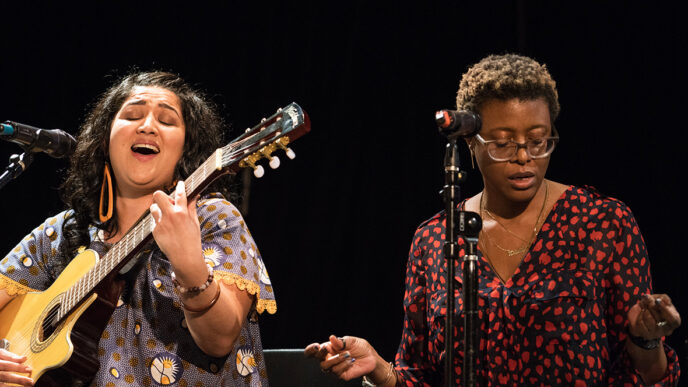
{"points": [[55, 142], [458, 123]]}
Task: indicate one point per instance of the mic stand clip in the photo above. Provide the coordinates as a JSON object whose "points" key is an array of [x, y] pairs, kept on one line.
{"points": [[18, 164]]}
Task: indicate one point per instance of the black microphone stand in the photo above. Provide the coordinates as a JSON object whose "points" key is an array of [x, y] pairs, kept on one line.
{"points": [[470, 224], [467, 225], [18, 164]]}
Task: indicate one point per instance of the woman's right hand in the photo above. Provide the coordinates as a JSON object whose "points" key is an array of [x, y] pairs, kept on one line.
{"points": [[347, 357], [10, 365]]}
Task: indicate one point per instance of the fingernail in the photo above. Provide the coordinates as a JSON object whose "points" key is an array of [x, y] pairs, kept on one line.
{"points": [[658, 301]]}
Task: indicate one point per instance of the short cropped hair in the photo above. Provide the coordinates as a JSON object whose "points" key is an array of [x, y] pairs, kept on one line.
{"points": [[505, 77]]}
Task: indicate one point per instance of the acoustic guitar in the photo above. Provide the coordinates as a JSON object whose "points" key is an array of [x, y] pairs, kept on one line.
{"points": [[58, 329]]}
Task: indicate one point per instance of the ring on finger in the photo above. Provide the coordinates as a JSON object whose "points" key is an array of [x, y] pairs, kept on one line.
{"points": [[661, 323]]}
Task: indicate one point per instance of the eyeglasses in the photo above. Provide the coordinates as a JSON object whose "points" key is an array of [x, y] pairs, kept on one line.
{"points": [[504, 150]]}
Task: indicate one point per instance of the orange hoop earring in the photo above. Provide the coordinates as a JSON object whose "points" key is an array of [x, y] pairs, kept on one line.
{"points": [[107, 179]]}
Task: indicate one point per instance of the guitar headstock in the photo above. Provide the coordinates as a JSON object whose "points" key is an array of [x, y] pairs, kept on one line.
{"points": [[260, 142]]}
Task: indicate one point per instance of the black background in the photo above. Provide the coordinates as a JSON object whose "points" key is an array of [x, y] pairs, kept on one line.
{"points": [[335, 224]]}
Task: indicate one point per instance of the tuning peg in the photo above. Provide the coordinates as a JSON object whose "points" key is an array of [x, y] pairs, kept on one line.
{"points": [[258, 171], [266, 152], [282, 143], [274, 162], [250, 161], [290, 153]]}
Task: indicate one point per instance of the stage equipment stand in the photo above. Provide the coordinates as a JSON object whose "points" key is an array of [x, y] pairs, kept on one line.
{"points": [[466, 225]]}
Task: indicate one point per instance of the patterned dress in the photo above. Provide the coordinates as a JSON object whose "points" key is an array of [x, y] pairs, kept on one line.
{"points": [[559, 320], [146, 342]]}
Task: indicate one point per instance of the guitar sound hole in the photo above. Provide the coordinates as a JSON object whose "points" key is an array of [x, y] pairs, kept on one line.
{"points": [[50, 323]]}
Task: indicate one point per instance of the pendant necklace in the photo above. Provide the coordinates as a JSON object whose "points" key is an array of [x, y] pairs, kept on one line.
{"points": [[527, 243]]}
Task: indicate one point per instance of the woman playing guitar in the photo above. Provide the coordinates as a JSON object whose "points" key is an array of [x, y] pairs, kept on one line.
{"points": [[185, 307]]}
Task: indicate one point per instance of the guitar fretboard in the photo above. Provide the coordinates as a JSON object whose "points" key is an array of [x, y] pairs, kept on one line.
{"points": [[137, 236], [223, 160]]}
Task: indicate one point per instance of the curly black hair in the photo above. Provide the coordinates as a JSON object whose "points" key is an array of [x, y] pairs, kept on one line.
{"points": [[505, 77], [81, 188]]}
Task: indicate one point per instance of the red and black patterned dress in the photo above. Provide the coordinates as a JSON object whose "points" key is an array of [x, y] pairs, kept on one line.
{"points": [[559, 320]]}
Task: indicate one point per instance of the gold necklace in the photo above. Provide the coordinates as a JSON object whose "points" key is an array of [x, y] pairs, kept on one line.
{"points": [[503, 226], [509, 252], [526, 246]]}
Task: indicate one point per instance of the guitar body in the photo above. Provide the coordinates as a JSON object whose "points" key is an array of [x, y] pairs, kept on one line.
{"points": [[68, 353]]}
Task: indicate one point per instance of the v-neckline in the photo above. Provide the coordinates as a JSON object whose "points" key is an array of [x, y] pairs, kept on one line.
{"points": [[527, 257]]}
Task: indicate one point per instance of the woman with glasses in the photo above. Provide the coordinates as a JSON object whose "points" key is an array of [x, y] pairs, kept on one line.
{"points": [[564, 283]]}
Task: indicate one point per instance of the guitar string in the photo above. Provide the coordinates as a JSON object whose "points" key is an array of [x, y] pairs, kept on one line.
{"points": [[83, 285], [27, 331], [78, 286], [110, 262], [77, 290], [74, 293], [269, 130]]}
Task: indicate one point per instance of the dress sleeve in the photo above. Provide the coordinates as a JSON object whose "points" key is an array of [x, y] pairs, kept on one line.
{"points": [[412, 360], [229, 248], [25, 268], [627, 280]]}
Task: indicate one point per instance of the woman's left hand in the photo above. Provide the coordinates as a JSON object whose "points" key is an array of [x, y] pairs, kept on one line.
{"points": [[653, 316], [346, 357], [177, 231]]}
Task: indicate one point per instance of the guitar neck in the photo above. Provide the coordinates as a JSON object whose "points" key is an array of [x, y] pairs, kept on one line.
{"points": [[137, 237], [256, 143]]}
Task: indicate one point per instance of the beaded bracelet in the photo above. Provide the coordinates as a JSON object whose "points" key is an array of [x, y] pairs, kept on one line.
{"points": [[205, 308], [195, 290]]}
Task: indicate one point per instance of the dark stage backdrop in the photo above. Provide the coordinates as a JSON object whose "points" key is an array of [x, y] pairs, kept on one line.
{"points": [[335, 225]]}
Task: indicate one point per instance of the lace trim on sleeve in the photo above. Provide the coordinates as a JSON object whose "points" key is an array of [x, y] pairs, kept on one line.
{"points": [[249, 286], [13, 287]]}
